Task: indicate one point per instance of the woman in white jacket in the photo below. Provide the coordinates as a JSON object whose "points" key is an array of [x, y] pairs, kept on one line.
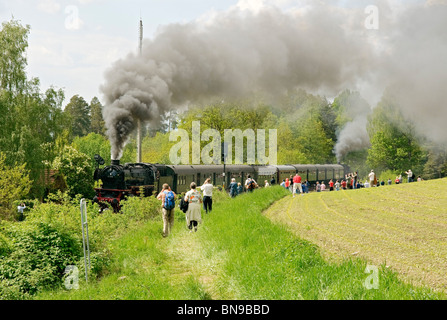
{"points": [[193, 215]]}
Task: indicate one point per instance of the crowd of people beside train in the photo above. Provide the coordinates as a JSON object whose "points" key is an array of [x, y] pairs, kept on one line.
{"points": [[191, 202], [350, 181]]}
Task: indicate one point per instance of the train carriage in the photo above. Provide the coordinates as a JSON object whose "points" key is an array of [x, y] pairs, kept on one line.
{"points": [[262, 173], [285, 171]]}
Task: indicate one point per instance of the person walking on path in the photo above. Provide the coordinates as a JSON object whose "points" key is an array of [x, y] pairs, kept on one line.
{"points": [[193, 215], [240, 189], [250, 184], [167, 197], [207, 189], [233, 188]]}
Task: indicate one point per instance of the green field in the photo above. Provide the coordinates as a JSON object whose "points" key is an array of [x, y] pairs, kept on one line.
{"points": [[402, 226], [239, 253]]}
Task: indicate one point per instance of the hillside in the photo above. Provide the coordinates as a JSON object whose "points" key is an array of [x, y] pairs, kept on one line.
{"points": [[402, 226], [238, 253]]}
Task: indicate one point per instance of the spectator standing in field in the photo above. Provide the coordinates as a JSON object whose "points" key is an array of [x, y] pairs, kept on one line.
{"points": [[371, 176], [397, 181], [272, 181], [409, 175], [283, 184], [266, 184], [355, 178], [343, 184], [20, 209], [193, 215], [297, 184], [337, 185], [233, 188], [306, 186], [287, 183], [323, 186], [167, 196], [389, 181], [207, 189], [318, 187], [349, 181], [331, 185]]}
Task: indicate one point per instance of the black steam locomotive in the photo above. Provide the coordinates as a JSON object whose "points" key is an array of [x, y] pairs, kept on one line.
{"points": [[131, 179]]}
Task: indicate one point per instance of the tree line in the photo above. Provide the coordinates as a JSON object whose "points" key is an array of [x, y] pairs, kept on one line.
{"points": [[46, 146]]}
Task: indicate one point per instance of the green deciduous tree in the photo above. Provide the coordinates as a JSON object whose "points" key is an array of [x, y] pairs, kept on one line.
{"points": [[30, 120], [394, 143], [13, 43], [14, 185]]}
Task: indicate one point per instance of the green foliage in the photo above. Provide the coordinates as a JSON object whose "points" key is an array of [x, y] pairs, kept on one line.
{"points": [[394, 144], [13, 43], [14, 185], [436, 165], [35, 253], [156, 149], [31, 121], [77, 170], [92, 144], [97, 123], [140, 208], [78, 115], [38, 256]]}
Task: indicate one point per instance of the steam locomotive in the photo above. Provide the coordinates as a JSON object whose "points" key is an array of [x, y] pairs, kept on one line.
{"points": [[131, 179]]}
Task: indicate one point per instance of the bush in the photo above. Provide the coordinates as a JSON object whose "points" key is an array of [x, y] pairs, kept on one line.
{"points": [[77, 171], [141, 209], [37, 259]]}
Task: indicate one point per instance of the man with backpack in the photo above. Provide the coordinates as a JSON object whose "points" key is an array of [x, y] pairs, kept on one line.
{"points": [[250, 184], [167, 197]]}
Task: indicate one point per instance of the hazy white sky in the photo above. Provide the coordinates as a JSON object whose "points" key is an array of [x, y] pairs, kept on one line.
{"points": [[72, 42]]}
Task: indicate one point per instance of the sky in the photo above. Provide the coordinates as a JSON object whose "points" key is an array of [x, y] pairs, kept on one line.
{"points": [[73, 42]]}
